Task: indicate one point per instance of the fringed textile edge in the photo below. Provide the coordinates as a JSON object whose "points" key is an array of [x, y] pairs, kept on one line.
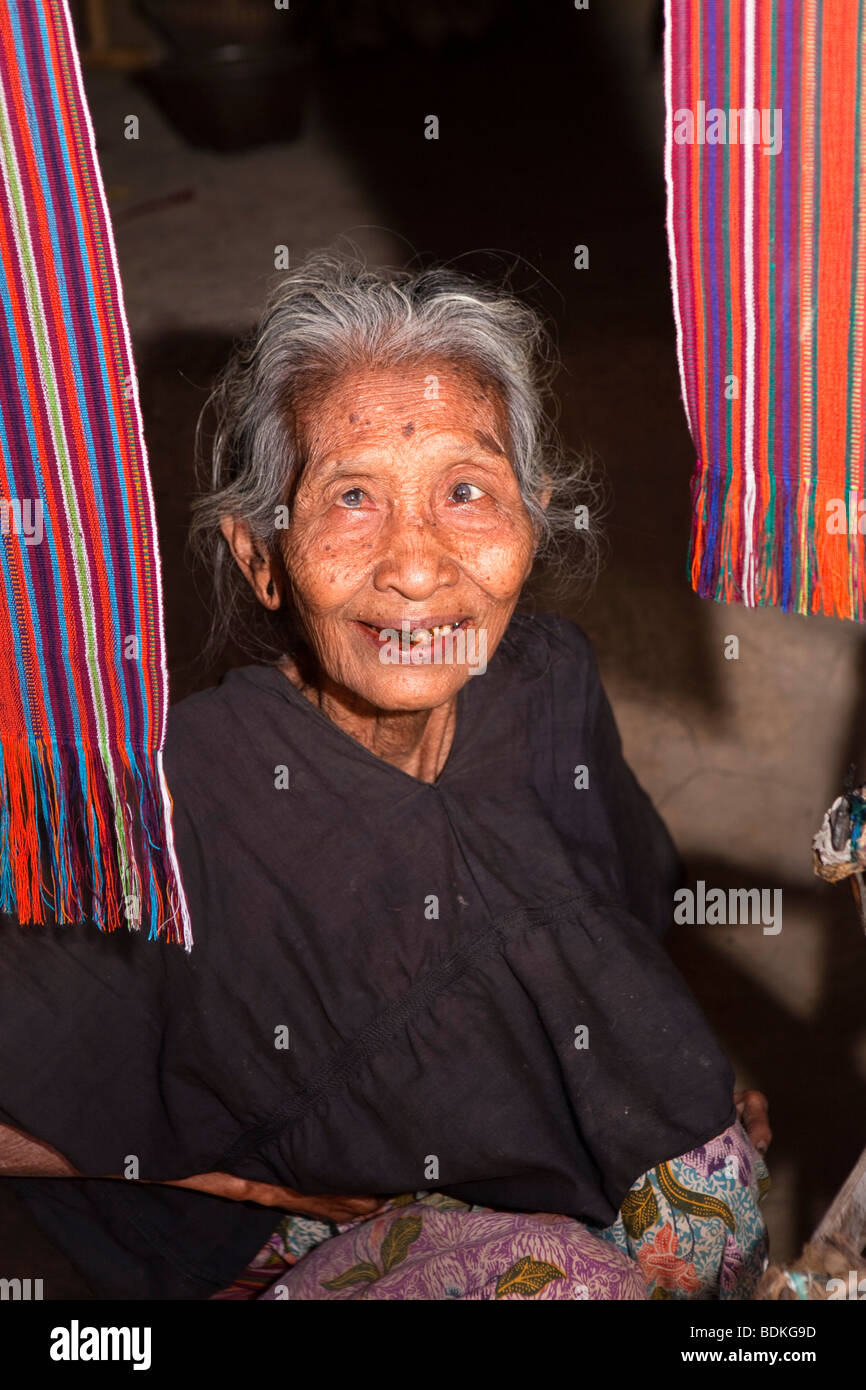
{"points": [[87, 837], [808, 551]]}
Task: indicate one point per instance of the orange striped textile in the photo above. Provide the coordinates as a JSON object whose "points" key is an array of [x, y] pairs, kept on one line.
{"points": [[765, 157]]}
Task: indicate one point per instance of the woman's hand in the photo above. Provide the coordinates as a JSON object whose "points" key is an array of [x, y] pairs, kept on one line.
{"points": [[753, 1112], [326, 1208], [22, 1156]]}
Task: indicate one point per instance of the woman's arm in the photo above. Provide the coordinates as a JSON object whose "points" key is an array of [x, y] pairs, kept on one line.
{"points": [[327, 1207], [22, 1156]]}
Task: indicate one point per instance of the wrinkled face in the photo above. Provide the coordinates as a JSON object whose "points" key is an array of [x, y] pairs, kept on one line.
{"points": [[407, 520]]}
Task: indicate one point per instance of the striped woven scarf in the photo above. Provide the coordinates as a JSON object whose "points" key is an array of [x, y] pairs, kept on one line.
{"points": [[85, 829], [766, 172]]}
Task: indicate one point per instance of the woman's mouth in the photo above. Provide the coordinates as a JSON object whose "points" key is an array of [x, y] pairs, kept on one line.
{"points": [[415, 632]]}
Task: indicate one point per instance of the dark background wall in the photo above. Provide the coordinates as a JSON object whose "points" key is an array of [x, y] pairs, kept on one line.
{"points": [[551, 127]]}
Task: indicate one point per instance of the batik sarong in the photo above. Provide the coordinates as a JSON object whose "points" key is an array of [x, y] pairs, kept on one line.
{"points": [[688, 1229]]}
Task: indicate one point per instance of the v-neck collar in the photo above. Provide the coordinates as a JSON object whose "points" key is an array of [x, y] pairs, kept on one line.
{"points": [[280, 682]]}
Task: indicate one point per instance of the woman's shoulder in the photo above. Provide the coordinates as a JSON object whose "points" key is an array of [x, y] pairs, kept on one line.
{"points": [[236, 696], [547, 647], [222, 724]]}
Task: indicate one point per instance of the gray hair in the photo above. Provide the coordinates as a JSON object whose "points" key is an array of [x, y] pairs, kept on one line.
{"points": [[325, 318]]}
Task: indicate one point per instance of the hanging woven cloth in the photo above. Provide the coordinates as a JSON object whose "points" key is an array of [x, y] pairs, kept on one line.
{"points": [[766, 176], [85, 826]]}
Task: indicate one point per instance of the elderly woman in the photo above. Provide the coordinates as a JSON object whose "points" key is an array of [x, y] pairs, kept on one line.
{"points": [[425, 888]]}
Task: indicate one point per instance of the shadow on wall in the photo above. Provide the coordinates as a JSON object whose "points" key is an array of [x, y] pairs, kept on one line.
{"points": [[818, 1129]]}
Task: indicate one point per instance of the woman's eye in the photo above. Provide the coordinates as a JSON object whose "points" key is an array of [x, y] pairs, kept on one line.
{"points": [[353, 498], [466, 492]]}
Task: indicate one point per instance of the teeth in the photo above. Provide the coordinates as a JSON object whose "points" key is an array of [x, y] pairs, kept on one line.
{"points": [[426, 634]]}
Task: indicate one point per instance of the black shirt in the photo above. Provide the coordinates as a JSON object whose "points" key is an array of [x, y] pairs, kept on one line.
{"points": [[395, 985]]}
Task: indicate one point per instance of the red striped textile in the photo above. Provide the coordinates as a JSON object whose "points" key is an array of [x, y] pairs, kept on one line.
{"points": [[766, 172], [85, 825]]}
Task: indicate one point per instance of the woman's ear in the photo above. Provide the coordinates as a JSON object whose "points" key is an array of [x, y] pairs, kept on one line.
{"points": [[259, 569]]}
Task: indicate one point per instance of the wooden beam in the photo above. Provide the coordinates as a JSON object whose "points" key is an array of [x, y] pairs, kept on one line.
{"points": [[846, 1215]]}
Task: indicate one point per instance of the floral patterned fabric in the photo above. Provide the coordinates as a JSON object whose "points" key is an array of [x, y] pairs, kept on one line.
{"points": [[689, 1229], [694, 1224]]}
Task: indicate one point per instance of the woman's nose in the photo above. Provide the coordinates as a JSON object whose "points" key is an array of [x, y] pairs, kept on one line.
{"points": [[414, 559]]}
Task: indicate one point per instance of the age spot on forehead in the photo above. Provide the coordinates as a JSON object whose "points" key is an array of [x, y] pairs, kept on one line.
{"points": [[408, 429], [353, 419]]}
